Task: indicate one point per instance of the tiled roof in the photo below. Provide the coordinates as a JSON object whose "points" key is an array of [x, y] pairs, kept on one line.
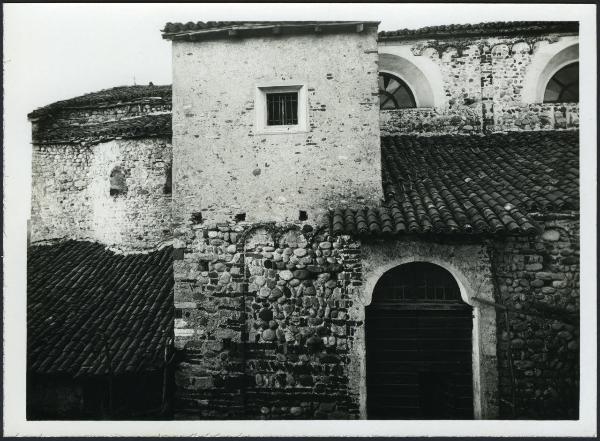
{"points": [[483, 29], [191, 30], [143, 126], [469, 184], [108, 97], [85, 303]]}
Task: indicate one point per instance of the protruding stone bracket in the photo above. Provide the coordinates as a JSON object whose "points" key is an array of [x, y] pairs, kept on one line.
{"points": [[461, 46]]}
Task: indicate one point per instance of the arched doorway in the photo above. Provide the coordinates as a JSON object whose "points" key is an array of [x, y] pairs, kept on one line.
{"points": [[419, 347]]}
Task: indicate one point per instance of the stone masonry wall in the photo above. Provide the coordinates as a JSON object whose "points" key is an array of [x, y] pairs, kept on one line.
{"points": [[483, 82], [224, 167], [266, 323], [546, 116], [71, 192], [538, 349], [270, 321]]}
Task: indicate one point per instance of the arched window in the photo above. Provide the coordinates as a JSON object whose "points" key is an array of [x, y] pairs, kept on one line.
{"points": [[394, 93], [418, 282], [563, 87], [118, 182]]}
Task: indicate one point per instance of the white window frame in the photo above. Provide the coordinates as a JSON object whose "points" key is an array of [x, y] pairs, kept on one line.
{"points": [[261, 108]]}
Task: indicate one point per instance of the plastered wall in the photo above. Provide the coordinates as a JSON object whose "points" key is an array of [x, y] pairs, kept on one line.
{"points": [[223, 167]]}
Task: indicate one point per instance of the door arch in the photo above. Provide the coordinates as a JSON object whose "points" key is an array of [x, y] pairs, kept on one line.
{"points": [[418, 346]]}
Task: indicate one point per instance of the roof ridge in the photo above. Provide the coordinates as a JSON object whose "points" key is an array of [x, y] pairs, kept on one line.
{"points": [[482, 28], [109, 96]]}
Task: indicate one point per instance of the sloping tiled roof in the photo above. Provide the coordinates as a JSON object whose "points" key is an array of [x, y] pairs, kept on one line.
{"points": [[143, 126], [55, 124], [109, 97], [85, 303], [469, 184], [191, 30], [498, 28]]}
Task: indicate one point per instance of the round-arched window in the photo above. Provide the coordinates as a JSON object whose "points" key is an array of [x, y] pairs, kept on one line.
{"points": [[563, 87], [417, 282], [394, 93]]}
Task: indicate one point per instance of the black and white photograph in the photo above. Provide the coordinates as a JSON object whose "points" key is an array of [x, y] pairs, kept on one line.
{"points": [[303, 219]]}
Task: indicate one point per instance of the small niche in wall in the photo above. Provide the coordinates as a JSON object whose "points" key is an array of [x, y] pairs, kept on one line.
{"points": [[302, 215], [240, 217], [196, 217], [167, 189], [118, 182]]}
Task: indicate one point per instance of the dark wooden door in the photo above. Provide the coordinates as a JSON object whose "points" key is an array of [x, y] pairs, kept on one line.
{"points": [[419, 349]]}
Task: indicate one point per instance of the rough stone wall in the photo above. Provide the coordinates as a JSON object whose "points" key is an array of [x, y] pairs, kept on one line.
{"points": [[224, 167], [483, 81], [538, 349], [71, 192], [266, 321], [546, 116], [429, 120]]}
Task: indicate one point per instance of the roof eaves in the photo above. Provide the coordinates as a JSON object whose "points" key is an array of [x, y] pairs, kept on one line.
{"points": [[244, 29], [107, 98], [481, 30]]}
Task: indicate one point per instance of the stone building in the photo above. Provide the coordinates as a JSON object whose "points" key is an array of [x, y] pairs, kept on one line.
{"points": [[358, 224]]}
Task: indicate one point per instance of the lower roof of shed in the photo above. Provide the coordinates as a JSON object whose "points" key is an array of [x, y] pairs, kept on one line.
{"points": [[93, 312]]}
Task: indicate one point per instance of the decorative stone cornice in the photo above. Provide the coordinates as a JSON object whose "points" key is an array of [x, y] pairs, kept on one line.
{"points": [[462, 44]]}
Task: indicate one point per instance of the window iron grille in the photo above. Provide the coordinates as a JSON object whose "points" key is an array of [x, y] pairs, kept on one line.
{"points": [[282, 109], [394, 93], [418, 282]]}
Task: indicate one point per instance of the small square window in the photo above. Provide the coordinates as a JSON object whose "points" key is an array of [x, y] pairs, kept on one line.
{"points": [[282, 109]]}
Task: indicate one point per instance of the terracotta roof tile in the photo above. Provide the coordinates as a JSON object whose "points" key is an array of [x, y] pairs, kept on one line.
{"points": [[482, 29], [460, 184], [143, 126], [192, 30], [79, 293], [109, 97]]}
